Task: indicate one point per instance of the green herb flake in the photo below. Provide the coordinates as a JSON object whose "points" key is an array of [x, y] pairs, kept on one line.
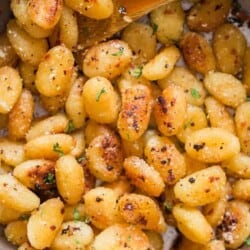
{"points": [[49, 178], [248, 99], [85, 219], [77, 242], [195, 93], [136, 72], [247, 241], [129, 237], [57, 148], [154, 27], [168, 206], [24, 217], [187, 124], [76, 214], [70, 127], [98, 95], [119, 52], [80, 159]]}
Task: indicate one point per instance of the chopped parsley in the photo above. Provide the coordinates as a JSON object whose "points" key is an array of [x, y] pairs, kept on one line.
{"points": [[85, 219], [195, 93], [248, 241], [80, 159], [49, 178], [70, 128], [119, 52], [57, 148], [136, 72], [77, 242], [98, 95], [76, 214], [154, 27], [24, 217], [168, 206]]}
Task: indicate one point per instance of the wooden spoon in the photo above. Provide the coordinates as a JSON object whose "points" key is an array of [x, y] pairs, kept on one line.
{"points": [[125, 11]]}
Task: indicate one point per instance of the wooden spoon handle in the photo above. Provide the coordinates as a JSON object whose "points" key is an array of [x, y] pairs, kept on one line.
{"points": [[93, 31]]}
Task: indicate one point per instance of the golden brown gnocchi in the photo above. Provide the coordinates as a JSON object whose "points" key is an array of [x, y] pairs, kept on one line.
{"points": [[141, 211], [11, 88], [168, 21], [107, 59], [229, 46], [21, 115], [52, 79], [202, 187], [242, 126], [143, 176], [197, 52], [45, 222], [170, 110], [101, 101], [28, 48], [135, 112], [208, 15], [212, 145]]}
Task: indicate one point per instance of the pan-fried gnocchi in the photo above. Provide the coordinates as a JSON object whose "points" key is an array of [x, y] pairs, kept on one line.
{"points": [[69, 179], [242, 126], [105, 213], [45, 222], [136, 32], [202, 187], [168, 21], [20, 9], [96, 10], [192, 223], [135, 112], [15, 195], [73, 234], [162, 64], [11, 88], [49, 146], [119, 235], [141, 211], [52, 79], [101, 101], [218, 115], [28, 48], [230, 58], [212, 145], [45, 13], [233, 93], [106, 146], [9, 57], [208, 15], [143, 176], [36, 174], [192, 87], [170, 110], [21, 115], [107, 59], [16, 232], [197, 52]]}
